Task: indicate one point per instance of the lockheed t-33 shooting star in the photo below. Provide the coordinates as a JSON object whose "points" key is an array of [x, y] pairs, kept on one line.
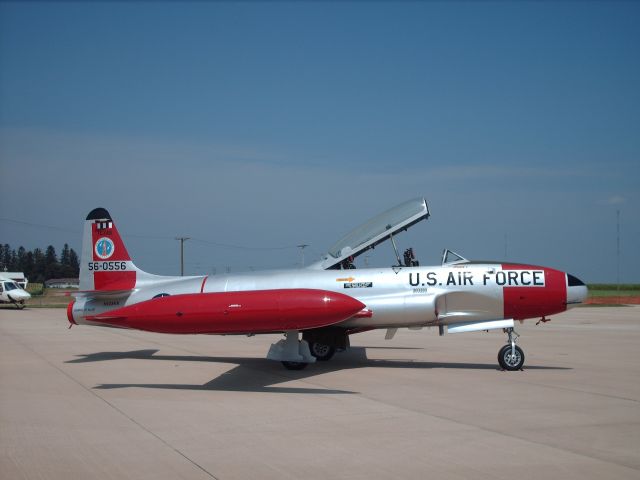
{"points": [[326, 302]]}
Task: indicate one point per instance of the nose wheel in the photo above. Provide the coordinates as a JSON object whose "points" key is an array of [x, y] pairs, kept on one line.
{"points": [[511, 356]]}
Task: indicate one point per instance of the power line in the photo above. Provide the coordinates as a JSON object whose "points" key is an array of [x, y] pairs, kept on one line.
{"points": [[38, 225], [151, 237], [242, 247]]}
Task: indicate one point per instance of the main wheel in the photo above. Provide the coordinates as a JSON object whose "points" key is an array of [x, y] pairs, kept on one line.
{"points": [[294, 365], [321, 351], [509, 361]]}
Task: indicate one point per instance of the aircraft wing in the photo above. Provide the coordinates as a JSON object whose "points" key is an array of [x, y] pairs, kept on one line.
{"points": [[468, 312], [467, 306]]}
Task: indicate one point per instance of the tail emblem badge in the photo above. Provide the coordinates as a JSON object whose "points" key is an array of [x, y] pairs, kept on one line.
{"points": [[104, 248]]}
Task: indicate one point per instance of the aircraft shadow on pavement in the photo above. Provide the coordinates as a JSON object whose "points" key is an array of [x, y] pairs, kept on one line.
{"points": [[259, 375]]}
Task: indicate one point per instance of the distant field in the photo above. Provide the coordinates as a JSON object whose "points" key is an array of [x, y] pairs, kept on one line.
{"points": [[45, 297], [614, 293], [50, 298], [611, 290], [609, 294]]}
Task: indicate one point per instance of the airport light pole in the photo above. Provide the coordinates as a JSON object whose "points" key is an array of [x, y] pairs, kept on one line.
{"points": [[182, 240]]}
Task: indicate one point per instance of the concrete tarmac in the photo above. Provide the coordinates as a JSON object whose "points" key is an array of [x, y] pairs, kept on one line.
{"points": [[103, 403]]}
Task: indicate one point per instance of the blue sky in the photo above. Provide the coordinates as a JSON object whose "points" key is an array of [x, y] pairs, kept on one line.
{"points": [[275, 124]]}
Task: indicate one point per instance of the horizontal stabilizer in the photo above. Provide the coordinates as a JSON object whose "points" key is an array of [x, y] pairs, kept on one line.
{"points": [[101, 293]]}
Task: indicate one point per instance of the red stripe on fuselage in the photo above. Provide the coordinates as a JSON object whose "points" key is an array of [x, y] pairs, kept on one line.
{"points": [[521, 302]]}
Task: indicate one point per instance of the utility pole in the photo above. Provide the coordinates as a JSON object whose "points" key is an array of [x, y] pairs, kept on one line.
{"points": [[618, 250], [302, 247], [182, 240]]}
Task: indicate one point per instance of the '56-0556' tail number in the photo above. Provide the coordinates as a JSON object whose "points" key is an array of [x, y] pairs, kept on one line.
{"points": [[107, 266]]}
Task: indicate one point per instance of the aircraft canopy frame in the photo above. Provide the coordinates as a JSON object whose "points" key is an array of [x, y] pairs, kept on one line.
{"points": [[374, 231]]}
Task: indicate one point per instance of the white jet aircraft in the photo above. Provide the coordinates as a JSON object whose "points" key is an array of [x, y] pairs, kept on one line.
{"points": [[325, 302]]}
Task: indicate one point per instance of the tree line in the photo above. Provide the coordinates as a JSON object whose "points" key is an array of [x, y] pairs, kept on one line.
{"points": [[39, 266]]}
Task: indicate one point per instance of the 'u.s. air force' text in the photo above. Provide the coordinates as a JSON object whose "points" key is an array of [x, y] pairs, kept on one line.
{"points": [[507, 278]]}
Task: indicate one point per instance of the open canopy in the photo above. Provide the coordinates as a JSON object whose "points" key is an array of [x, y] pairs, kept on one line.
{"points": [[375, 231]]}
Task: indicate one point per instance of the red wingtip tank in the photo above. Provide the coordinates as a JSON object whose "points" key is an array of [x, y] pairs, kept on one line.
{"points": [[259, 311]]}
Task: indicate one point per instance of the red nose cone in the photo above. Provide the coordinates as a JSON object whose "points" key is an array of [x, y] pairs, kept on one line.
{"points": [[533, 292], [258, 311]]}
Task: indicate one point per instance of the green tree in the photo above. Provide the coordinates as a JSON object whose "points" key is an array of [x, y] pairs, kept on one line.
{"points": [[6, 257], [22, 255], [50, 255], [52, 266], [64, 255], [74, 263], [39, 266], [13, 262], [29, 266]]}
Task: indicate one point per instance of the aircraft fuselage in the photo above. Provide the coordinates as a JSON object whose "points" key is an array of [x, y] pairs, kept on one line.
{"points": [[396, 297]]}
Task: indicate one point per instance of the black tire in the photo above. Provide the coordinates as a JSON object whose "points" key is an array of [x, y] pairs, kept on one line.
{"points": [[508, 361], [295, 365], [321, 351], [20, 305]]}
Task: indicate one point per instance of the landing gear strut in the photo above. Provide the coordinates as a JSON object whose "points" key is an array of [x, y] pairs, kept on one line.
{"points": [[19, 304], [511, 357], [291, 351]]}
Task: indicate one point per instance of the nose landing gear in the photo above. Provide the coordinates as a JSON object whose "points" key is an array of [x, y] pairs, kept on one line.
{"points": [[511, 357], [19, 304]]}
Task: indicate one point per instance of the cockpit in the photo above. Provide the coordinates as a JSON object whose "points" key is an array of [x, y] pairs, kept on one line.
{"points": [[8, 286], [379, 229]]}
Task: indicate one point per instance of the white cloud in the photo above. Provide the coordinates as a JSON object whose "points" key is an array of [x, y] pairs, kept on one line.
{"points": [[615, 200]]}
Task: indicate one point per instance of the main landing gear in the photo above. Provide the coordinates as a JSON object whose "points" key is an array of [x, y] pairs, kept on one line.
{"points": [[511, 357], [322, 351], [320, 344], [291, 351]]}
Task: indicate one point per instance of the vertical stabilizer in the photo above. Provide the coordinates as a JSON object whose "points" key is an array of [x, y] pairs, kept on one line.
{"points": [[105, 263]]}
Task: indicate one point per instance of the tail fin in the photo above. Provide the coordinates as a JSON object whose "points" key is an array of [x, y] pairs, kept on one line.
{"points": [[105, 264]]}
